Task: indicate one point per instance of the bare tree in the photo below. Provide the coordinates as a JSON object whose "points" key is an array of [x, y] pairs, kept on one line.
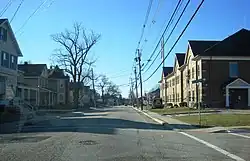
{"points": [[75, 45], [113, 90], [103, 83]]}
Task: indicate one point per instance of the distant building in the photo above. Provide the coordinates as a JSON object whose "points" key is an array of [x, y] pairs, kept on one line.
{"points": [[85, 94], [34, 85], [153, 94], [59, 82]]}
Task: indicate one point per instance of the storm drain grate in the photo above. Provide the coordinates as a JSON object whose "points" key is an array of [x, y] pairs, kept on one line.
{"points": [[88, 142]]}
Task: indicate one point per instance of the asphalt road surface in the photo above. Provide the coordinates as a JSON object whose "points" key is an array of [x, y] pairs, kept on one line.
{"points": [[118, 134]]}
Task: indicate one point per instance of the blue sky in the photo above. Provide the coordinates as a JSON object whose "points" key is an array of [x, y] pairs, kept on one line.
{"points": [[120, 22]]}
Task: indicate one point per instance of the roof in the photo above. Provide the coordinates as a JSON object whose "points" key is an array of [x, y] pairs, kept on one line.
{"points": [[32, 69], [237, 44], [2, 20], [79, 85], [57, 73], [199, 46], [167, 70], [180, 58], [19, 53]]}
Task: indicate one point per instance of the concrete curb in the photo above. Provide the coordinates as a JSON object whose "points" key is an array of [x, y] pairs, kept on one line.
{"points": [[155, 119]]}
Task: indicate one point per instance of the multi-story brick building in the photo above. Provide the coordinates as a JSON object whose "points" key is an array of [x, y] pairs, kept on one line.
{"points": [[214, 73]]}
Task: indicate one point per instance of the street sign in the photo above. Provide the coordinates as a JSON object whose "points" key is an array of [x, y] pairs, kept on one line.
{"points": [[198, 81]]}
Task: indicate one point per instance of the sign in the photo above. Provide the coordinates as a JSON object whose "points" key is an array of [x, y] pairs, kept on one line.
{"points": [[198, 81]]}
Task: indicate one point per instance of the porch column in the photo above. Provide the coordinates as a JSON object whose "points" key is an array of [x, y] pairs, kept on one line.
{"points": [[22, 93], [227, 97], [28, 95], [49, 98], [248, 96], [36, 97], [52, 99]]}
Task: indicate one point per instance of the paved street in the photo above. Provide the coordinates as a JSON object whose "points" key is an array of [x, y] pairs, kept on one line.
{"points": [[119, 134]]}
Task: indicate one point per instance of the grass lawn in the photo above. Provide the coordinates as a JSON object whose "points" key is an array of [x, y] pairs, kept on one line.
{"points": [[218, 119], [178, 110]]}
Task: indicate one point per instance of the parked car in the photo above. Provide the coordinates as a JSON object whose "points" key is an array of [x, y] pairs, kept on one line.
{"points": [[157, 103]]}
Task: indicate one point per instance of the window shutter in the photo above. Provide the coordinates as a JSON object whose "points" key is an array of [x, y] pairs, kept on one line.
{"points": [[2, 61], [1, 33], [4, 35]]}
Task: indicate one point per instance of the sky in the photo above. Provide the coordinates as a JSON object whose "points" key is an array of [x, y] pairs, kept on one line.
{"points": [[120, 23]]}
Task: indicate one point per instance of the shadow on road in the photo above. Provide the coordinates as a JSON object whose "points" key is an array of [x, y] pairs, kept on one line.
{"points": [[91, 125]]}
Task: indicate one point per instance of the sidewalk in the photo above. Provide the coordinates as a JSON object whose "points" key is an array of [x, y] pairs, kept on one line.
{"points": [[166, 120], [179, 125]]}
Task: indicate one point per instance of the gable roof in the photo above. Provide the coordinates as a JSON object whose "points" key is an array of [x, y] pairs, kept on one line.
{"points": [[57, 73], [180, 58], [2, 21], [167, 70], [32, 69], [237, 44], [199, 46]]}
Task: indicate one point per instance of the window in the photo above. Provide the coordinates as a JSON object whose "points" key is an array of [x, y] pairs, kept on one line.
{"points": [[4, 56], [13, 62], [61, 97], [177, 80], [193, 95], [61, 84], [189, 93], [169, 83], [5, 59], [233, 69], [198, 70], [3, 34], [193, 72], [173, 81], [188, 74]]}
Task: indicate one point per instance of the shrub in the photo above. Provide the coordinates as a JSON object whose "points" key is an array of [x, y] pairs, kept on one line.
{"points": [[183, 104], [176, 106]]}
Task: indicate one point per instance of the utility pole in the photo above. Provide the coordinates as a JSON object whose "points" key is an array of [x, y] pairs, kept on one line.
{"points": [[93, 83], [131, 92], [139, 60], [136, 89]]}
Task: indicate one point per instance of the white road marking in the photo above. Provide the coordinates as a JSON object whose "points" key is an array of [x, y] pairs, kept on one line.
{"points": [[244, 136], [235, 157], [155, 119]]}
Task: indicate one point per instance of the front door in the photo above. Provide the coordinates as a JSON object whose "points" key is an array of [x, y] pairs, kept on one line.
{"points": [[239, 98]]}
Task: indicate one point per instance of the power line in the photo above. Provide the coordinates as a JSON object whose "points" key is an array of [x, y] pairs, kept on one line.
{"points": [[6, 7], [159, 36], [36, 10], [145, 21], [16, 10], [196, 11], [152, 22], [184, 9], [166, 28]]}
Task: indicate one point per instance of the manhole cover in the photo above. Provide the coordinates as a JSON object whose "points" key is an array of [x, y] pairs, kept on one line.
{"points": [[23, 139], [88, 142]]}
